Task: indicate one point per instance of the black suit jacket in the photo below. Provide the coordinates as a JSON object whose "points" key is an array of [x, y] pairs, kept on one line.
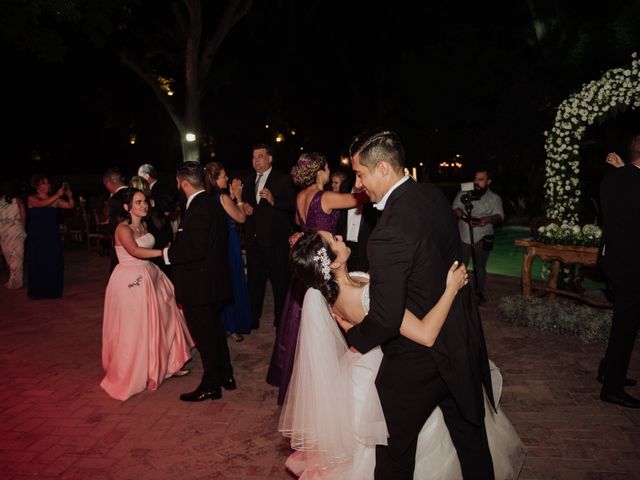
{"points": [[270, 225], [410, 251], [620, 201], [163, 199], [116, 211], [116, 214], [198, 255]]}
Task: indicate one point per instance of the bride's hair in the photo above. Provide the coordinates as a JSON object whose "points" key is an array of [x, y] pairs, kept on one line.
{"points": [[308, 267]]}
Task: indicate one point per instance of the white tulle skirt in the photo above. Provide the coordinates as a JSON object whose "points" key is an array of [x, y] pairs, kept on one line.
{"points": [[332, 412]]}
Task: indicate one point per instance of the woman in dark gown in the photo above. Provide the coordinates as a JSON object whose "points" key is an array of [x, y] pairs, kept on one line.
{"points": [[45, 264], [235, 317], [316, 209]]}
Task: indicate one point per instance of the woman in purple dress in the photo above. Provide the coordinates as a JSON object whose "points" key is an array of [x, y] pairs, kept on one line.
{"points": [[316, 209]]}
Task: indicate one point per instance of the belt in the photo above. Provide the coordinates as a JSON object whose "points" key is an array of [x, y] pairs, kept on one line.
{"points": [[351, 244]]}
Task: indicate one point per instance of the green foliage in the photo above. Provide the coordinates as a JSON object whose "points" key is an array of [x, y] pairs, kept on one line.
{"points": [[560, 316]]}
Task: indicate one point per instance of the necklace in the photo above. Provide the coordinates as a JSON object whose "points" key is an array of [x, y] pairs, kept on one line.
{"points": [[137, 228]]}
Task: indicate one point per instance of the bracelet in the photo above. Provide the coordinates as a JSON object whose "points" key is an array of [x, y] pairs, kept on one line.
{"points": [[240, 204]]}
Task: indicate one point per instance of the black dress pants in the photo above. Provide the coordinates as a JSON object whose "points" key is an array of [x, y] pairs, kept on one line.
{"points": [[624, 331], [409, 392], [207, 332], [267, 262]]}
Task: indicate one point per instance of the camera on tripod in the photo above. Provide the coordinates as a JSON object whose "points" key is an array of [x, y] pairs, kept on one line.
{"points": [[468, 193]]}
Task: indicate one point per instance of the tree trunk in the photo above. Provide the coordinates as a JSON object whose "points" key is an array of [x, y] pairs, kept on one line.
{"points": [[190, 150]]}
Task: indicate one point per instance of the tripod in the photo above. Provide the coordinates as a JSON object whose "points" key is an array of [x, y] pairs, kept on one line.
{"points": [[468, 206]]}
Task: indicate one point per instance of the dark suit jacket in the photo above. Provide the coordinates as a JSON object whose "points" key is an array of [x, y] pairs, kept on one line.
{"points": [[620, 201], [116, 211], [411, 249], [198, 255], [164, 200], [270, 225], [164, 197]]}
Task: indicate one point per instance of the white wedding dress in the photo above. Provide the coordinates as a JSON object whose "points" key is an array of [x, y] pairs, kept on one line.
{"points": [[333, 415]]}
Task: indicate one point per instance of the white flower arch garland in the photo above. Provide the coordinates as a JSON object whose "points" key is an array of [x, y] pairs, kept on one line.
{"points": [[617, 90]]}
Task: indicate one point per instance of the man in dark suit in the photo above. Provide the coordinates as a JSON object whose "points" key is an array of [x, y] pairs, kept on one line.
{"points": [[114, 183], [269, 202], [410, 251], [620, 201], [162, 200], [202, 280]]}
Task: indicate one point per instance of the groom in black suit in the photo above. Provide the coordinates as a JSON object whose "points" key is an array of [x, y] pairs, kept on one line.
{"points": [[202, 280], [410, 251]]}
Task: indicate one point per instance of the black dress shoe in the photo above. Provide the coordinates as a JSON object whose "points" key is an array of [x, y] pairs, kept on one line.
{"points": [[229, 384], [628, 382], [621, 398], [202, 393]]}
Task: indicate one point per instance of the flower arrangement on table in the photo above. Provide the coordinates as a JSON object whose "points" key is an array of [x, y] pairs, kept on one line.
{"points": [[588, 235]]}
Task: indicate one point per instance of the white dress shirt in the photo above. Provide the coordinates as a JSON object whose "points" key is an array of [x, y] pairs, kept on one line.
{"points": [[354, 217], [382, 203], [261, 183]]}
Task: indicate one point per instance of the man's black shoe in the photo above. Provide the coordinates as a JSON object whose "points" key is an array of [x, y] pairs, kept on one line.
{"points": [[202, 393], [621, 398], [229, 384]]}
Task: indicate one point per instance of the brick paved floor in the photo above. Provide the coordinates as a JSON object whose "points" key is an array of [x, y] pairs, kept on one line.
{"points": [[56, 422]]}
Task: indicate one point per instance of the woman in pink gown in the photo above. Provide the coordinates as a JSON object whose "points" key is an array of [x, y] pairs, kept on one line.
{"points": [[144, 336]]}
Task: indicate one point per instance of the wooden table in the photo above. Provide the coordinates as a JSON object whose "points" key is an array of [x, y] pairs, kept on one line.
{"points": [[557, 254]]}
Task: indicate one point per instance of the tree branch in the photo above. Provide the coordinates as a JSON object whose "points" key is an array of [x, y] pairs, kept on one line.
{"points": [[150, 80], [232, 15]]}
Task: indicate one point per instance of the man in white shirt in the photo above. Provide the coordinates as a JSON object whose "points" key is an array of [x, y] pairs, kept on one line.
{"points": [[487, 211]]}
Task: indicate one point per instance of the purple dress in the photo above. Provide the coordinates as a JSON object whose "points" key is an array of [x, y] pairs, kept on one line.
{"points": [[284, 349]]}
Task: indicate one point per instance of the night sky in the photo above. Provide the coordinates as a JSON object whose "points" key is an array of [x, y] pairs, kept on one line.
{"points": [[465, 78]]}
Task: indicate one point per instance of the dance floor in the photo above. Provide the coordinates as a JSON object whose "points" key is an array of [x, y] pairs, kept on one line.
{"points": [[56, 422]]}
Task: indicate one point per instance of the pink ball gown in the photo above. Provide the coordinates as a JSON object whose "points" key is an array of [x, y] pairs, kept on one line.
{"points": [[144, 335]]}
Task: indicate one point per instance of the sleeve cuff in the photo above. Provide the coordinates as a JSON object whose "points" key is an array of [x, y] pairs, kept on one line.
{"points": [[165, 255]]}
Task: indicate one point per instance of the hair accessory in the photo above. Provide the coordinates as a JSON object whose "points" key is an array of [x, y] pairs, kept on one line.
{"points": [[304, 161], [322, 257]]}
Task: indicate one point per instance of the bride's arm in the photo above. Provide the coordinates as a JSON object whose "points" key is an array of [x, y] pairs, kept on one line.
{"points": [[426, 331]]}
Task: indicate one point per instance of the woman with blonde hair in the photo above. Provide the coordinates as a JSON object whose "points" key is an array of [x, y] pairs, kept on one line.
{"points": [[139, 183], [316, 209]]}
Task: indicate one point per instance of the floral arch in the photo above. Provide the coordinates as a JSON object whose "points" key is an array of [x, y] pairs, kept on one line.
{"points": [[617, 90]]}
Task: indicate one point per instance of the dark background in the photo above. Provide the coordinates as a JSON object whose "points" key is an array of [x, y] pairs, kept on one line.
{"points": [[471, 79]]}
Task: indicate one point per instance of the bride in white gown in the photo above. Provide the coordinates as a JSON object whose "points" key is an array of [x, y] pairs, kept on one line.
{"points": [[332, 412]]}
